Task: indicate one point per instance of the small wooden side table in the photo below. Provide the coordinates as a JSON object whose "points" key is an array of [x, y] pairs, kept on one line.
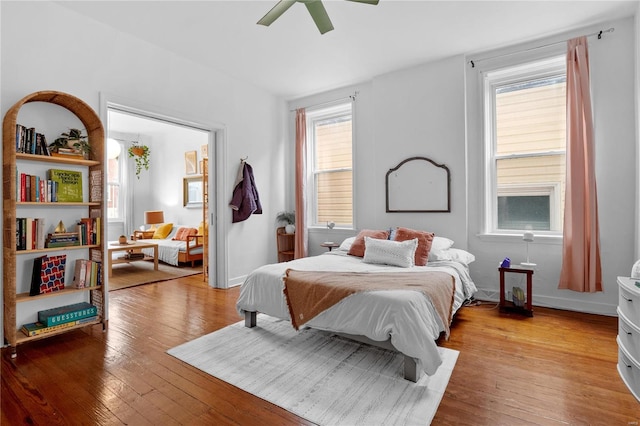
{"points": [[329, 245], [509, 306]]}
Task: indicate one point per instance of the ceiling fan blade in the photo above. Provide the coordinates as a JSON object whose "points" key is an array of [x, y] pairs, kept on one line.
{"points": [[373, 2], [319, 15], [276, 12]]}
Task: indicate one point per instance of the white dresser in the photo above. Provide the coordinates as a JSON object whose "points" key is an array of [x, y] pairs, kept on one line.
{"points": [[629, 333]]}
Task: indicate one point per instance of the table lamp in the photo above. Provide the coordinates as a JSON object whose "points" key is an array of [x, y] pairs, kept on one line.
{"points": [[528, 238], [153, 218]]}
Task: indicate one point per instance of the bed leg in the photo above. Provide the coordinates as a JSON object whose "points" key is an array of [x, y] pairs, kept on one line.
{"points": [[411, 372], [250, 319]]}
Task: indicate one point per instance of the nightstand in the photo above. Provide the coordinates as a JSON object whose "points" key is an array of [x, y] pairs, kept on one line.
{"points": [[509, 306]]}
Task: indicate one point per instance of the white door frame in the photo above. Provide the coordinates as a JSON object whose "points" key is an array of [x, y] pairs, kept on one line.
{"points": [[217, 144]]}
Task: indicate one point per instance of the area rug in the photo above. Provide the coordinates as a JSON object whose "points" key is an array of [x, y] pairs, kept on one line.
{"points": [[137, 273], [318, 376]]}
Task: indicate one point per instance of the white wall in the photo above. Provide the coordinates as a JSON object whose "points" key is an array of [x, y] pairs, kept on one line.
{"points": [[421, 111], [89, 58]]}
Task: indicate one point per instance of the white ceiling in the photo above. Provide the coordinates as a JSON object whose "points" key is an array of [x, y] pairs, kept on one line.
{"points": [[292, 59]]}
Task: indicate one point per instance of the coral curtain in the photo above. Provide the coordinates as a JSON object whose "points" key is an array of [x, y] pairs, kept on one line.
{"points": [[301, 158], [581, 269]]}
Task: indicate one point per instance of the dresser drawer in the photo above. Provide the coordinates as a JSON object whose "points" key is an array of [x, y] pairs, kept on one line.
{"points": [[629, 301], [629, 336], [629, 371]]}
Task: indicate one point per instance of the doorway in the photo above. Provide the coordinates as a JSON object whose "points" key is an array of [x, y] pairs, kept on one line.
{"points": [[173, 143]]}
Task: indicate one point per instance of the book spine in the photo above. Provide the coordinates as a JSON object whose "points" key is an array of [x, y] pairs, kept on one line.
{"points": [[35, 329], [49, 320]]}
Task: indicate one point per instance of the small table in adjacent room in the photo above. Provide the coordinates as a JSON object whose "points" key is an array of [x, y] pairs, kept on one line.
{"points": [[130, 246], [509, 306]]}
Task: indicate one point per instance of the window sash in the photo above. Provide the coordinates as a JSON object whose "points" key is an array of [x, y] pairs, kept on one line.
{"points": [[530, 138], [330, 179]]}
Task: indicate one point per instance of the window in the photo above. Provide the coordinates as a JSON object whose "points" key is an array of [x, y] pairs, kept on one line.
{"points": [[525, 118], [115, 203], [329, 138]]}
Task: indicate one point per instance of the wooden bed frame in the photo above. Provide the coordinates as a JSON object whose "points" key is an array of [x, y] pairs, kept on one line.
{"points": [[411, 371]]}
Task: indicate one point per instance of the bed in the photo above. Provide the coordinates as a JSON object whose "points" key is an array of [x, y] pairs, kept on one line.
{"points": [[402, 320]]}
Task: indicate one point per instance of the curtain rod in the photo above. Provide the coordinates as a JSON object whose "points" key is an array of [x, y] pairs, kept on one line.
{"points": [[351, 97], [599, 34]]}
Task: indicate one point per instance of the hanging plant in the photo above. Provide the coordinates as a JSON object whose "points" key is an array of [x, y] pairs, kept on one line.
{"points": [[140, 153]]}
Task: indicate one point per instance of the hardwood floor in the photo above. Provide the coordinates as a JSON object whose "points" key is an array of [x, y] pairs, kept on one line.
{"points": [[555, 368]]}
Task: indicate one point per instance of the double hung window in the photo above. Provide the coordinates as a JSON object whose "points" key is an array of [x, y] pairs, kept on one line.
{"points": [[330, 171], [525, 122]]}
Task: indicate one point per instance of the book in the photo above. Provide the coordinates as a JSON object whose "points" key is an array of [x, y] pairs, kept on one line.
{"points": [[67, 313], [80, 273], [52, 273], [36, 328], [69, 185]]}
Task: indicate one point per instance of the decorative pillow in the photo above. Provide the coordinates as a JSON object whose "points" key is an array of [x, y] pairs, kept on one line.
{"points": [[346, 244], [200, 228], [162, 231], [389, 252], [424, 243], [357, 248], [182, 233]]}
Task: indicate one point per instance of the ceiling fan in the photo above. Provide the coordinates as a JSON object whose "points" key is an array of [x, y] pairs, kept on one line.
{"points": [[315, 8]]}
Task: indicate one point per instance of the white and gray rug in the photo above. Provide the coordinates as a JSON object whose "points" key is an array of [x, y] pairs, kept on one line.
{"points": [[323, 378]]}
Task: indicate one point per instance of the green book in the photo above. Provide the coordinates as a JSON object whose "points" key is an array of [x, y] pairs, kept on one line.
{"points": [[69, 185]]}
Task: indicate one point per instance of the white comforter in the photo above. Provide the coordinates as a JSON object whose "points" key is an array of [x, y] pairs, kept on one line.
{"points": [[404, 316]]}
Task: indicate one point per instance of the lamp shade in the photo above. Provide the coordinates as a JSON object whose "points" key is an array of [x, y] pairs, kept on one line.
{"points": [[528, 236], [154, 217]]}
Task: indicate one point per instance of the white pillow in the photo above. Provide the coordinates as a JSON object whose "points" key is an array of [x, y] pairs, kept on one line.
{"points": [[346, 244], [441, 243], [438, 246], [454, 254], [386, 252]]}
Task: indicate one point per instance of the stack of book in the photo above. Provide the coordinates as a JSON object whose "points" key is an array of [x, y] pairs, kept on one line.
{"points": [[32, 188], [133, 255], [62, 239], [68, 153], [62, 317], [30, 233], [87, 273], [28, 141]]}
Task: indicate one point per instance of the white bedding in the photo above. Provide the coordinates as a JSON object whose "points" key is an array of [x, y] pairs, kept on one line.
{"points": [[406, 317]]}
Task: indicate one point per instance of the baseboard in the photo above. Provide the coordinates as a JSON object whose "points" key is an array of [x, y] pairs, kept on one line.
{"points": [[556, 303], [234, 282]]}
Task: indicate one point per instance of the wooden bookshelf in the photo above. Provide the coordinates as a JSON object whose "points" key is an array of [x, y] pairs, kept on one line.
{"points": [[93, 175]]}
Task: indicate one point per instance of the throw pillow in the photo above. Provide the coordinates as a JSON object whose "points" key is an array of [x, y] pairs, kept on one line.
{"points": [[200, 229], [388, 252], [162, 231], [182, 233], [424, 243], [357, 248]]}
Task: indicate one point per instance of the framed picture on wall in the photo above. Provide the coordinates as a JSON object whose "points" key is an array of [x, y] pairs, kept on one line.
{"points": [[191, 162], [201, 167]]}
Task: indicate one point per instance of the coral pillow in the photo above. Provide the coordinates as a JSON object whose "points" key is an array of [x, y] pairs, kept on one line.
{"points": [[357, 248], [182, 233], [163, 231], [424, 243]]}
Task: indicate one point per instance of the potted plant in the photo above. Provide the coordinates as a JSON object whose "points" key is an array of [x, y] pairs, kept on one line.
{"points": [[74, 140], [140, 153], [289, 220]]}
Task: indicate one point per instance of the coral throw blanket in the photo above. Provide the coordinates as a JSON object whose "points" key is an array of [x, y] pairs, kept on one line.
{"points": [[309, 293]]}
